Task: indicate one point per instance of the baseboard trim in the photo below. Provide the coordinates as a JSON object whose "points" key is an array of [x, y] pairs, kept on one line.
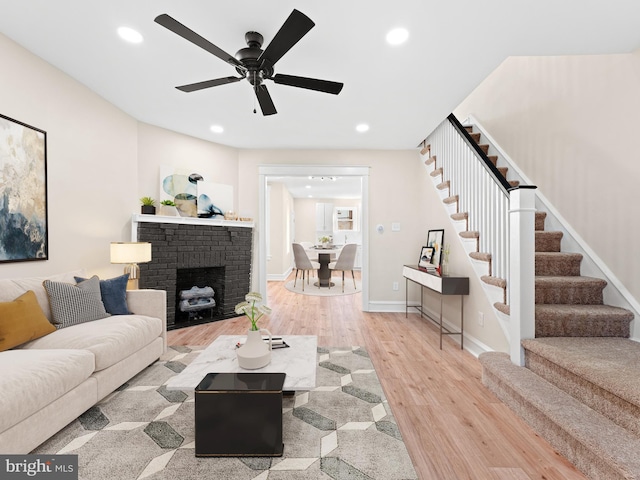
{"points": [[279, 277], [393, 307]]}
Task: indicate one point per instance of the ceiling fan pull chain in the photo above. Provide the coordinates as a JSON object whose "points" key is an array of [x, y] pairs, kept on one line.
{"points": [[255, 97]]}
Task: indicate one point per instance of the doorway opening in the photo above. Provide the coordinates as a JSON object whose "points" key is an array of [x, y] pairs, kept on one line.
{"points": [[269, 174]]}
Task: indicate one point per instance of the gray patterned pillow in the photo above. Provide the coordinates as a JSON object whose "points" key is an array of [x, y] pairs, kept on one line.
{"points": [[73, 304]]}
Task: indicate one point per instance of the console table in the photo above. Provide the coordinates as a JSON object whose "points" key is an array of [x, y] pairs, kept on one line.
{"points": [[448, 285]]}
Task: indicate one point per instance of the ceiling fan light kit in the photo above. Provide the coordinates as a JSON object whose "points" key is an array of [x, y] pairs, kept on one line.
{"points": [[254, 64]]}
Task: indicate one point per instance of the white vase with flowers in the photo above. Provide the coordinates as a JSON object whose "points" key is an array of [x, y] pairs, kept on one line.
{"points": [[255, 352]]}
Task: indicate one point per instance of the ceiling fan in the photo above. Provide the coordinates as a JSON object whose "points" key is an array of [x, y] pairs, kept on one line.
{"points": [[254, 64]]}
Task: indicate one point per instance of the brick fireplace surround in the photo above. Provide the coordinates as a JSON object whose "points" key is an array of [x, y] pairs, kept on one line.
{"points": [[181, 244]]}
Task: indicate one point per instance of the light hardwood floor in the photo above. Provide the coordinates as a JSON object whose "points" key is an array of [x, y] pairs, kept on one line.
{"points": [[453, 427]]}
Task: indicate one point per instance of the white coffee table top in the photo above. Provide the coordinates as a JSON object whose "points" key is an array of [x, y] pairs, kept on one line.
{"points": [[298, 362]]}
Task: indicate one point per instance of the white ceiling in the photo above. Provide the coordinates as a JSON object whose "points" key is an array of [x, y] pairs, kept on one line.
{"points": [[402, 92]]}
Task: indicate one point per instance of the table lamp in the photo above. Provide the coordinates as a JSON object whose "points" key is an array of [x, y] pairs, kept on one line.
{"points": [[131, 253]]}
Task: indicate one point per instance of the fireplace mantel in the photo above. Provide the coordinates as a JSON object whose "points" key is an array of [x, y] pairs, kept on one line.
{"points": [[139, 218]]}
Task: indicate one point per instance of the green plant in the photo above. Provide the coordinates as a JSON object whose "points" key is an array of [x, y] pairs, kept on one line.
{"points": [[147, 201], [169, 203], [249, 308], [325, 239]]}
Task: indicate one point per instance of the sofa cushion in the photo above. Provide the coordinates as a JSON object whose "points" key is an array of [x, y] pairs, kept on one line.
{"points": [[114, 294], [73, 303], [110, 339], [11, 289], [22, 320], [31, 380]]}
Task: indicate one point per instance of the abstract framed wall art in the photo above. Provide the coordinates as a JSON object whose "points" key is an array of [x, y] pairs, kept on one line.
{"points": [[23, 192], [435, 238], [426, 254]]}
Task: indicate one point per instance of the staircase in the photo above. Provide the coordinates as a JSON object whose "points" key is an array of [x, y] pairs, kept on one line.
{"points": [[580, 387]]}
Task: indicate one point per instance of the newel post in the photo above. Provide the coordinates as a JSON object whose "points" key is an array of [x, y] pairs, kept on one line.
{"points": [[522, 211]]}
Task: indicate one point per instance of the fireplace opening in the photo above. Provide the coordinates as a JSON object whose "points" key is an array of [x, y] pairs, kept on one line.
{"points": [[199, 295]]}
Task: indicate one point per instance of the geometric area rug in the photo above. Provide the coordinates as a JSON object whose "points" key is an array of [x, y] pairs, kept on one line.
{"points": [[342, 429]]}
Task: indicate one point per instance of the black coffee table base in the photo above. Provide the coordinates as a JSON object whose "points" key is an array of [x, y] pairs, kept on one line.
{"points": [[239, 414]]}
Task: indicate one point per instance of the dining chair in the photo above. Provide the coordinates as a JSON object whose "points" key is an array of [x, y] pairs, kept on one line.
{"points": [[345, 261], [303, 264], [307, 246]]}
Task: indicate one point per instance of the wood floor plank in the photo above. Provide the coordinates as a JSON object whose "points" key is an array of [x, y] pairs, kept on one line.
{"points": [[453, 427]]}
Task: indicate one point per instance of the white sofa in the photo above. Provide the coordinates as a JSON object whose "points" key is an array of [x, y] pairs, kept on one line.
{"points": [[48, 382]]}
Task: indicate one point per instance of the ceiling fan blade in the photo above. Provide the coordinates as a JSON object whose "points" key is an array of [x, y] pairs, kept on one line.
{"points": [[188, 34], [192, 87], [264, 99], [325, 86], [294, 28]]}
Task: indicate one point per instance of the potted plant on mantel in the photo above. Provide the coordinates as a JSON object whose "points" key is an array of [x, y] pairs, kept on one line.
{"points": [[168, 208], [148, 206]]}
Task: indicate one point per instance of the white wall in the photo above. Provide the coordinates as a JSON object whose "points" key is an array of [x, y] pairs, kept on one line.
{"points": [[91, 159], [159, 147], [281, 254], [569, 122]]}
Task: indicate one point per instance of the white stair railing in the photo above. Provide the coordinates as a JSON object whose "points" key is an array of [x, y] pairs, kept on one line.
{"points": [[505, 225]]}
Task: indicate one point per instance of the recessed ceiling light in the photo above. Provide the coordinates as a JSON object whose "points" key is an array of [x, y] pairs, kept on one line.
{"points": [[397, 36], [363, 127], [130, 35], [307, 186], [217, 129]]}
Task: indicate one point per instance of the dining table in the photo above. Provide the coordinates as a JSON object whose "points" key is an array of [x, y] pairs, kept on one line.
{"points": [[324, 254]]}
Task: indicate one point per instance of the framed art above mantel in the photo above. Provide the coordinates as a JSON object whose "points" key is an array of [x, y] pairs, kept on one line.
{"points": [[23, 192]]}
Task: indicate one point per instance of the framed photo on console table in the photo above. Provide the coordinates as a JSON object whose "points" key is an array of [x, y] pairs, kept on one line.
{"points": [[435, 239], [426, 254], [23, 192]]}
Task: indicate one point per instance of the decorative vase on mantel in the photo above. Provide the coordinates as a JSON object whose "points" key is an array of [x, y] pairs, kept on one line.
{"points": [[255, 353], [169, 211]]}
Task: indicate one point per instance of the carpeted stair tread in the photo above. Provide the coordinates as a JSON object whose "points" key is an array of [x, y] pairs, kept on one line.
{"points": [[475, 137], [470, 234], [430, 160], [547, 241], [484, 148], [582, 321], [437, 172], [596, 445], [451, 199], [599, 372], [426, 149], [495, 281], [459, 216], [502, 307], [569, 290], [609, 362], [557, 264], [444, 185], [503, 171], [539, 221], [493, 159], [514, 183], [482, 256]]}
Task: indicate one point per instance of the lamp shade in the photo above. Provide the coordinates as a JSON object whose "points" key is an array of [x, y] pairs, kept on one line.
{"points": [[130, 252]]}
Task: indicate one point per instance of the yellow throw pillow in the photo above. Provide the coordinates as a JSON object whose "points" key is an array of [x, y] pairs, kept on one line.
{"points": [[21, 321]]}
